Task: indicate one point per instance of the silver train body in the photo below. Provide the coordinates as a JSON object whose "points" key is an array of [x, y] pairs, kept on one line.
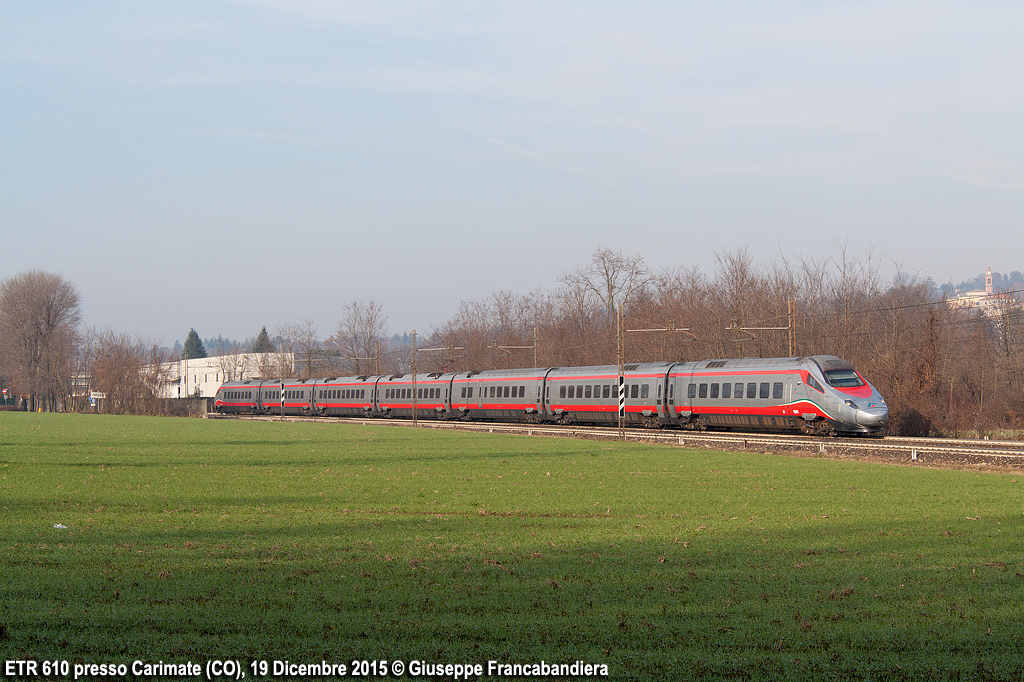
{"points": [[819, 394]]}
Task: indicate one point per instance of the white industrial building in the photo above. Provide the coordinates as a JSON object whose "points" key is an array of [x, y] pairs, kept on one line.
{"points": [[201, 377]]}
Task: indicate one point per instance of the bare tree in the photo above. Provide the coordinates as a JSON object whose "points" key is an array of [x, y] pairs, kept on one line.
{"points": [[301, 340], [360, 337], [39, 316], [234, 360], [614, 279], [129, 371]]}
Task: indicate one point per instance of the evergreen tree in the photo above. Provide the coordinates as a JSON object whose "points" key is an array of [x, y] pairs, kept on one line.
{"points": [[194, 347], [263, 344]]}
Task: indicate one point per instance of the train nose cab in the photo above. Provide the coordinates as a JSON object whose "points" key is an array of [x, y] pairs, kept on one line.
{"points": [[867, 407], [872, 415]]}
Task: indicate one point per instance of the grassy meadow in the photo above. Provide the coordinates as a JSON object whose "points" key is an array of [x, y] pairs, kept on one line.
{"points": [[192, 539]]}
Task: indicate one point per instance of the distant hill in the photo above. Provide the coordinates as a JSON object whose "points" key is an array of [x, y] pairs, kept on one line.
{"points": [[1000, 282]]}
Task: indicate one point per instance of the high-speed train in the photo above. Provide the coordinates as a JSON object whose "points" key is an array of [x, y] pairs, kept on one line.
{"points": [[820, 394]]}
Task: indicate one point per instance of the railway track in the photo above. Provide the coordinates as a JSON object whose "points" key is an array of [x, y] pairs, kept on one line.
{"points": [[936, 452]]}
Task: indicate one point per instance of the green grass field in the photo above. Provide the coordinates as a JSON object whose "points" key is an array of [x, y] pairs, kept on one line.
{"points": [[195, 539]]}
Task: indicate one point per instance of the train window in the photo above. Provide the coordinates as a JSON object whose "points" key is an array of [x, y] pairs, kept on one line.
{"points": [[691, 391], [572, 391], [777, 390], [606, 391], [470, 391], [671, 391], [492, 391], [726, 390], [506, 391], [644, 389], [589, 392], [515, 391], [579, 391], [522, 391], [714, 390], [561, 391], [751, 390], [597, 391], [703, 391], [633, 391], [362, 393], [463, 391], [765, 392], [843, 378]]}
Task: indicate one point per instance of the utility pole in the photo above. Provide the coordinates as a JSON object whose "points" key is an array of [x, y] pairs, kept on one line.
{"points": [[792, 329], [672, 328], [412, 367], [620, 352]]}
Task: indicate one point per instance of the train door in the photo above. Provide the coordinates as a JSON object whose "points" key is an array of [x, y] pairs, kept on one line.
{"points": [[667, 397], [543, 399]]}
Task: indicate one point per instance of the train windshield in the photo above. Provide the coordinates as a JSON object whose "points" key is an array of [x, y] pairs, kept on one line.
{"points": [[843, 378]]}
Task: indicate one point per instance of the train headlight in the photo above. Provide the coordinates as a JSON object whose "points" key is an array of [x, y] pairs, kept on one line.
{"points": [[852, 404]]}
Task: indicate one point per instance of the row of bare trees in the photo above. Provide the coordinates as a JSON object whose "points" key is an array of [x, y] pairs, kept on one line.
{"points": [[942, 370]]}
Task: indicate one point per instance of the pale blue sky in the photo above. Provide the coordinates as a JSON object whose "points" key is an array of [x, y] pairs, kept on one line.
{"points": [[227, 165]]}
